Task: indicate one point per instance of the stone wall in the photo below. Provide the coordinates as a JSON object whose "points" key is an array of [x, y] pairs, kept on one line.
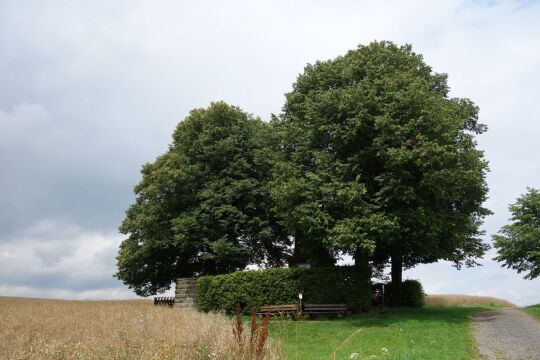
{"points": [[186, 293]]}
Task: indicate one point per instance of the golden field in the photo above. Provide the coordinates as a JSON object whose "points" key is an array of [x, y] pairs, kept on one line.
{"points": [[55, 329], [466, 301]]}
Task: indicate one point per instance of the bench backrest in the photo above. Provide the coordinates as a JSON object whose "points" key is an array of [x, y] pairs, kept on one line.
{"points": [[165, 300], [337, 307], [279, 308]]}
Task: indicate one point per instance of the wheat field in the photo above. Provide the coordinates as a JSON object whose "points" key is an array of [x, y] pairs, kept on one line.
{"points": [[466, 301], [55, 329]]}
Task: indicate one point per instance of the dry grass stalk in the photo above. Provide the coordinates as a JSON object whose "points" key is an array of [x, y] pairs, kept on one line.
{"points": [[257, 342], [238, 325], [49, 329], [465, 301], [263, 336], [254, 327]]}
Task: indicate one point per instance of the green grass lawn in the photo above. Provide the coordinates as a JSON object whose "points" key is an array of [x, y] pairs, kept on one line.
{"points": [[427, 333], [534, 310]]}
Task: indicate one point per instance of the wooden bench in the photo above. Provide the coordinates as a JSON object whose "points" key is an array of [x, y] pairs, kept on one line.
{"points": [[325, 309], [164, 300], [279, 310]]}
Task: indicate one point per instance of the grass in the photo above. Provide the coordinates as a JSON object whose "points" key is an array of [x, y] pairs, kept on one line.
{"points": [[533, 310], [441, 330], [52, 329], [405, 333]]}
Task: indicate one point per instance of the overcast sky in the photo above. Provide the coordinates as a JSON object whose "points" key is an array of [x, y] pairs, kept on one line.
{"points": [[91, 90]]}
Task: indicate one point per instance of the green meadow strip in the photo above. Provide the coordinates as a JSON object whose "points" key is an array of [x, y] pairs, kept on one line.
{"points": [[405, 333]]}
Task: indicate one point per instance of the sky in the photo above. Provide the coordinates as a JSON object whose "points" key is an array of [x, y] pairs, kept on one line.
{"points": [[92, 90]]}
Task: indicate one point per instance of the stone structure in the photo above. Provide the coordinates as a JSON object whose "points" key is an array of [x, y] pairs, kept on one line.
{"points": [[186, 293]]}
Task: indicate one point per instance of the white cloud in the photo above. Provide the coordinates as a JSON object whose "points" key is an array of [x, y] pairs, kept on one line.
{"points": [[490, 280]]}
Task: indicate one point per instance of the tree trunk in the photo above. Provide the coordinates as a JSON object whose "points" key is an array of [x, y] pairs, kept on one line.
{"points": [[309, 251], [300, 255], [361, 263], [397, 277]]}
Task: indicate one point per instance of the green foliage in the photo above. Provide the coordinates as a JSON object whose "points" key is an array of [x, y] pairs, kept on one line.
{"points": [[374, 155], [518, 244], [370, 157], [412, 294], [534, 310], [202, 207], [376, 160], [331, 285]]}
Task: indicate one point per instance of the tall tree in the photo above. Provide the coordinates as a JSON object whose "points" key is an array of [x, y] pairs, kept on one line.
{"points": [[378, 161], [202, 207], [518, 243]]}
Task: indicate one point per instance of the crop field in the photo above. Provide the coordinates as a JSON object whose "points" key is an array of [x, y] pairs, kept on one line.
{"points": [[466, 301], [52, 329]]}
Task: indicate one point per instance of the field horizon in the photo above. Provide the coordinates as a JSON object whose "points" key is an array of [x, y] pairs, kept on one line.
{"points": [[431, 299]]}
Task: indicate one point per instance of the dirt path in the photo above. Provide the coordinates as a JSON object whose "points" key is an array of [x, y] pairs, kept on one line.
{"points": [[507, 334]]}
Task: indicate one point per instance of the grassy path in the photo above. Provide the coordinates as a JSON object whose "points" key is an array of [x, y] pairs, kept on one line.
{"points": [[428, 333]]}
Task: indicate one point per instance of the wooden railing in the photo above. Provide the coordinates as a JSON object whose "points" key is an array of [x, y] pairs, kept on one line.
{"points": [[164, 300]]}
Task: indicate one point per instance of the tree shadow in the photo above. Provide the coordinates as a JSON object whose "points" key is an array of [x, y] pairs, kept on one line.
{"points": [[451, 315]]}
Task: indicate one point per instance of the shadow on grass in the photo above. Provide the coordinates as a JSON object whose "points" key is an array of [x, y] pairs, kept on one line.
{"points": [[453, 315]]}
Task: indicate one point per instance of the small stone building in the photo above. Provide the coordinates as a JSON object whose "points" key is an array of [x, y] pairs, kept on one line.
{"points": [[186, 293]]}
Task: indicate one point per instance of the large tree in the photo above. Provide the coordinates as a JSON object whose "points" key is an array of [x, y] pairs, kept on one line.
{"points": [[378, 161], [202, 207], [519, 242]]}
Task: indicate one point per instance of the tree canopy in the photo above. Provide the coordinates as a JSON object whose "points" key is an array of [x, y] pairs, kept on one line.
{"points": [[370, 157], [518, 243], [203, 206], [375, 156]]}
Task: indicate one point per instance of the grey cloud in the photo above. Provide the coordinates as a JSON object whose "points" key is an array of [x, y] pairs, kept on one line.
{"points": [[92, 90], [59, 255], [107, 255], [54, 251]]}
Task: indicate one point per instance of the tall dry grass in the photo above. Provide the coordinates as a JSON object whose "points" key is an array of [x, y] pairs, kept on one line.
{"points": [[466, 301], [52, 329]]}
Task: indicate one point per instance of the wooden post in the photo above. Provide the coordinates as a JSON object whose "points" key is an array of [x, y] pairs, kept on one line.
{"points": [[382, 300]]}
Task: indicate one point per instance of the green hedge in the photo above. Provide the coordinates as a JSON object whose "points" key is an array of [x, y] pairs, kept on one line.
{"points": [[332, 285], [412, 293]]}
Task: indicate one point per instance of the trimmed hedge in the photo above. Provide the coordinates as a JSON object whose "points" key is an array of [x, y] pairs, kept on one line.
{"points": [[412, 293], [255, 288]]}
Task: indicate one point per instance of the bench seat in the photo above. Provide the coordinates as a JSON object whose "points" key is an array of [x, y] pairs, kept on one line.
{"points": [[321, 309], [278, 310]]}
